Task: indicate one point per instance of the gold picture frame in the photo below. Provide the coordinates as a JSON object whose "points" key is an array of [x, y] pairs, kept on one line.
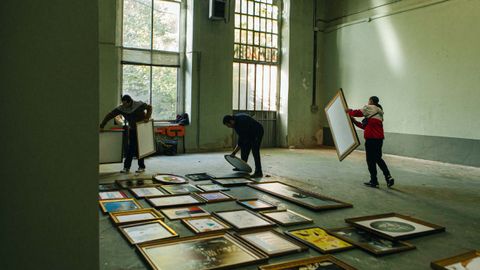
{"points": [[108, 206], [133, 216], [319, 239], [464, 259], [137, 233], [200, 225], [308, 263]]}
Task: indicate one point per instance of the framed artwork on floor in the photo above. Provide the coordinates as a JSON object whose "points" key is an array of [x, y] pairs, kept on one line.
{"points": [[214, 196], [394, 226], [132, 183], [205, 224], [150, 191], [271, 242], [109, 206], [108, 187], [112, 195], [146, 232], [299, 196], [212, 187], [199, 176], [326, 262], [217, 251], [184, 212], [232, 182], [244, 219], [317, 238], [169, 179], [180, 189], [370, 242], [286, 217], [174, 200], [465, 261], [256, 204], [132, 216]]}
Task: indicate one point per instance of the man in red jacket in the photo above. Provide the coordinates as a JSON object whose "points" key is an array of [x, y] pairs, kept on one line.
{"points": [[373, 126]]}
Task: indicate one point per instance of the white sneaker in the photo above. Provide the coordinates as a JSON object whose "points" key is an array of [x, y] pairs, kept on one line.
{"points": [[125, 170], [140, 170]]}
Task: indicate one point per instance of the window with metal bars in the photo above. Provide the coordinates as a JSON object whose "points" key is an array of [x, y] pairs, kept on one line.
{"points": [[256, 55]]}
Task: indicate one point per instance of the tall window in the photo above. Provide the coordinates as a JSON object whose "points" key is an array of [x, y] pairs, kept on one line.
{"points": [[151, 54], [256, 55]]}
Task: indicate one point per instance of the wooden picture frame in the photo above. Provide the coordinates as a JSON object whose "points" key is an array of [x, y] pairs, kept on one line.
{"points": [[108, 206], [243, 219], [233, 182], [112, 195], [180, 189], [110, 145], [394, 226], [279, 217], [134, 216], [464, 260], [214, 196], [169, 179], [146, 144], [205, 224], [271, 242], [184, 212], [212, 187], [370, 242], [199, 176], [256, 204], [309, 263], [208, 251], [138, 233], [108, 187], [148, 191], [174, 200], [344, 135], [299, 196], [319, 239], [131, 183]]}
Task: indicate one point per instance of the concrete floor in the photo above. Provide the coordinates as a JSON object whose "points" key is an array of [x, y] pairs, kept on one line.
{"points": [[442, 194]]}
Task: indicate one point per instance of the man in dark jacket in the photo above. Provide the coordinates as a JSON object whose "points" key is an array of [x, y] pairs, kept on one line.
{"points": [[133, 112], [250, 134]]}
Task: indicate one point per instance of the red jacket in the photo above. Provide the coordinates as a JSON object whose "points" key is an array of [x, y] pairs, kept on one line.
{"points": [[374, 128]]}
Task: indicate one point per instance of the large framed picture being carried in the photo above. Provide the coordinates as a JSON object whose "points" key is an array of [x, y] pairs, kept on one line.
{"points": [[145, 139], [343, 133]]}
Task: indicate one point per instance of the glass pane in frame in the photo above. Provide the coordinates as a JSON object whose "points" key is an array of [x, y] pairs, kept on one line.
{"points": [[136, 82], [137, 23], [166, 25], [164, 93]]}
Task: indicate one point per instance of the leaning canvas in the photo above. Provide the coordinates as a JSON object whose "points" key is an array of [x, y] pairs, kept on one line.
{"points": [[110, 147], [343, 133], [145, 139]]}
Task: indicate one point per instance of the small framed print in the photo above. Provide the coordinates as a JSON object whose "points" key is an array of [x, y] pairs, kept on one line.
{"points": [[394, 226], [169, 179], [180, 189], [271, 243], [208, 251], [146, 232], [215, 196], [256, 204], [244, 219], [109, 206], [205, 224], [326, 262], [317, 238], [152, 191], [212, 187], [286, 217], [112, 195], [131, 183], [107, 187], [199, 176], [464, 261], [231, 182], [184, 212], [174, 200], [370, 242], [141, 215]]}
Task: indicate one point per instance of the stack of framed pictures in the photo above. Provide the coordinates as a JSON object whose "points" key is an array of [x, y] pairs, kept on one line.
{"points": [[140, 215], [370, 242], [109, 206], [184, 212], [465, 261], [180, 189], [212, 187], [214, 196], [174, 200], [256, 204], [199, 176], [244, 219], [286, 217], [232, 182], [151, 191], [112, 195], [299, 196], [205, 224], [326, 262], [218, 251], [271, 243], [146, 232], [169, 179], [318, 239], [394, 226]]}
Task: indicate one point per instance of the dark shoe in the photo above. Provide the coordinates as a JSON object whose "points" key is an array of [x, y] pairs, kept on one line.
{"points": [[371, 184], [257, 175], [140, 170], [235, 169], [390, 181]]}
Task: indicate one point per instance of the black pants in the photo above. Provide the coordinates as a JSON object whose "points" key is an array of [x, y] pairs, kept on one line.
{"points": [[373, 147], [132, 150], [254, 146]]}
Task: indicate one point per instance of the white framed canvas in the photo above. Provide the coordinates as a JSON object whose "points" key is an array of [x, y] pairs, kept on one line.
{"points": [[110, 146], [145, 139], [344, 135]]}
